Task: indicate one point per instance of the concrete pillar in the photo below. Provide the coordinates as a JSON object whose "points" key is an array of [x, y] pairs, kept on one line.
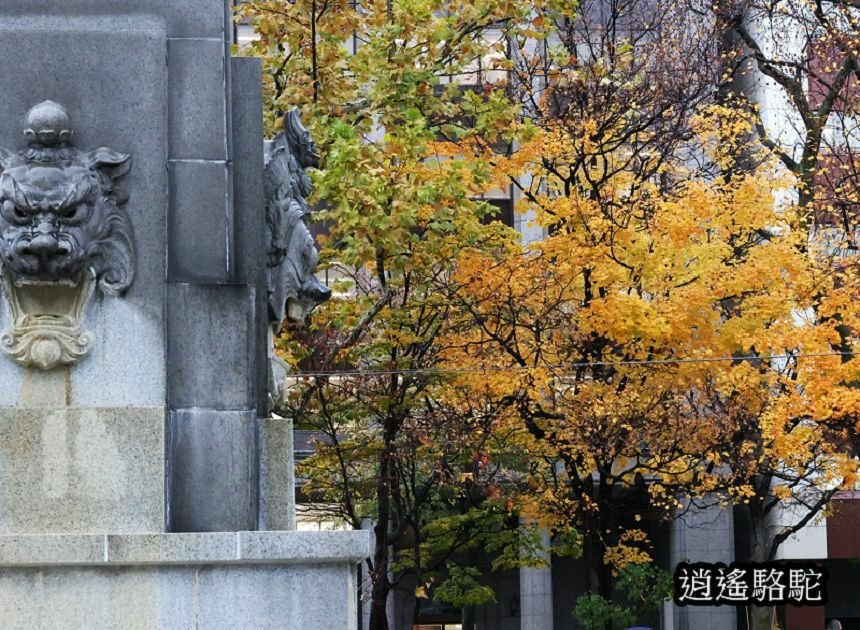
{"points": [[536, 594], [703, 535]]}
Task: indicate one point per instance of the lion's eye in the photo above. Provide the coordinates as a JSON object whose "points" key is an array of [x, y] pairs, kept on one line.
{"points": [[13, 212], [74, 213]]}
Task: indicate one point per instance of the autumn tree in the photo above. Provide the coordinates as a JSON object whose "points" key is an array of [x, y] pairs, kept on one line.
{"points": [[652, 351], [801, 81], [400, 446], [653, 348], [614, 142], [654, 344]]}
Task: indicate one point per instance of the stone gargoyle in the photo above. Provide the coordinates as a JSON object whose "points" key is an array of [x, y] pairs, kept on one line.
{"points": [[293, 288], [63, 233]]}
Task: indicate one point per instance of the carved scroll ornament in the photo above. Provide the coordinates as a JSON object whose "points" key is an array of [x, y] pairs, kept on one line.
{"points": [[63, 234]]}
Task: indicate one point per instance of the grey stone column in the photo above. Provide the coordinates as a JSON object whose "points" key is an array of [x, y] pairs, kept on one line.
{"points": [[536, 595], [82, 446], [216, 289], [703, 535]]}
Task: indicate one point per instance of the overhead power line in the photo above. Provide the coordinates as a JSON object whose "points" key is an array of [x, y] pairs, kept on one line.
{"points": [[569, 366]]}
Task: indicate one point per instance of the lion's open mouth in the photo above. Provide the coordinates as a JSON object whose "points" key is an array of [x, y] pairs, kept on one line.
{"points": [[46, 320]]}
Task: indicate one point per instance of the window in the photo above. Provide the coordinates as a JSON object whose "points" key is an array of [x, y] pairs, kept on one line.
{"points": [[504, 211], [837, 190], [824, 60]]}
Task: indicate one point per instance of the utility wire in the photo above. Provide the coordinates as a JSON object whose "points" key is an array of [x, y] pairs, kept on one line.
{"points": [[580, 364]]}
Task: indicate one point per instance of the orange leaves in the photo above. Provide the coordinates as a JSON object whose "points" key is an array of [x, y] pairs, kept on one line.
{"points": [[626, 319], [611, 335], [631, 549]]}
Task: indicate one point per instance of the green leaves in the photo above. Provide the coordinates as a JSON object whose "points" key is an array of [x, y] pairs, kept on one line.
{"points": [[645, 587], [397, 442], [462, 588]]}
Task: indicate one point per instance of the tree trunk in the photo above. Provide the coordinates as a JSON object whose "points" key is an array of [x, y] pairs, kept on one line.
{"points": [[381, 583], [808, 167], [596, 573], [467, 617], [592, 555], [379, 598]]}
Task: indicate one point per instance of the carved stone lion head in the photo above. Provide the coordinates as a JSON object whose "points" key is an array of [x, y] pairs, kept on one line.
{"points": [[294, 289], [62, 230], [60, 212]]}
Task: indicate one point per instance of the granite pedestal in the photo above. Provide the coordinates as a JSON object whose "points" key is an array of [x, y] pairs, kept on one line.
{"points": [[260, 580]]}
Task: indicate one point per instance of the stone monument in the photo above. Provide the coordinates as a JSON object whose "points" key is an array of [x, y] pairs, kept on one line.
{"points": [[146, 254]]}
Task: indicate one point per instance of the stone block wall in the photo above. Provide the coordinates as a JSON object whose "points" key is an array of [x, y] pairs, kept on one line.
{"points": [[185, 347]]}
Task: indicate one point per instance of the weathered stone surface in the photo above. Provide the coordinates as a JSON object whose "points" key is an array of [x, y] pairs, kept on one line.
{"points": [[262, 597], [277, 580], [305, 546], [183, 18], [197, 18], [200, 234], [313, 596], [197, 99], [61, 599], [246, 156], [212, 470], [208, 352], [201, 548], [277, 474], [126, 365], [111, 76], [60, 549], [81, 470]]}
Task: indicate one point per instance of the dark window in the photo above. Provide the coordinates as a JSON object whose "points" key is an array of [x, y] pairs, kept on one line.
{"points": [[504, 211]]}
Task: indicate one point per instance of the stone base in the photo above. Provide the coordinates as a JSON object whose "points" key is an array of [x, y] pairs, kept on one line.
{"points": [[81, 470], [260, 580]]}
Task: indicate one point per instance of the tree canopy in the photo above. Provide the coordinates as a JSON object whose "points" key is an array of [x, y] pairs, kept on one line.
{"points": [[675, 339]]}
